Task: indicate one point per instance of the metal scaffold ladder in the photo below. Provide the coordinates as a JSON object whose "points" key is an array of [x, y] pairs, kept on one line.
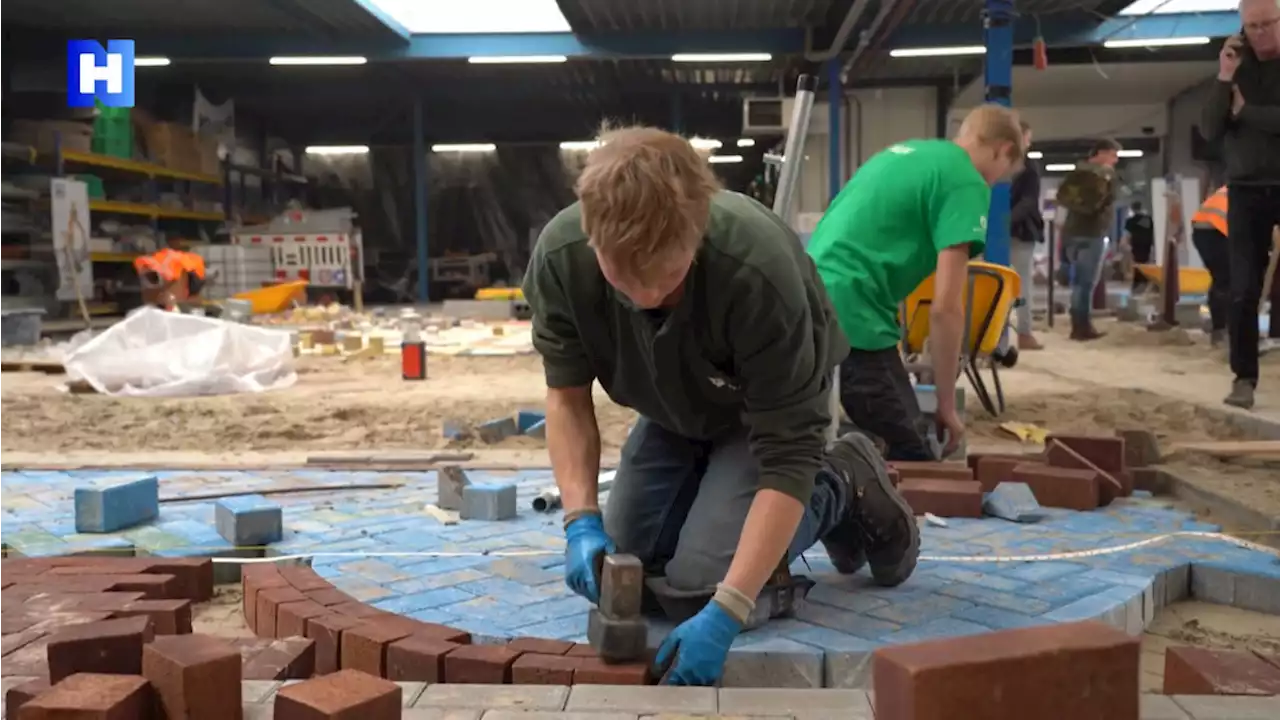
{"points": [[788, 163]]}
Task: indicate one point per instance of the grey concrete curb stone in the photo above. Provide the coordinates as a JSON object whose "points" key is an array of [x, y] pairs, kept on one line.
{"points": [[643, 700], [488, 697]]}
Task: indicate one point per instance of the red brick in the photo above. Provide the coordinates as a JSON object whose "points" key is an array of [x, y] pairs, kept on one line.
{"points": [[14, 567], [364, 647], [291, 618], [249, 647], [358, 609], [330, 597], [995, 469], [20, 695], [895, 477], [1107, 453], [1052, 672], [1061, 455], [327, 630], [108, 601], [533, 669], [254, 578], [87, 696], [1269, 658], [582, 650], [12, 623], [1060, 487], [541, 646], [418, 659], [480, 664], [288, 659], [944, 498], [16, 641], [1202, 671], [267, 601], [195, 677], [153, 586], [194, 575], [169, 617], [303, 578], [933, 470], [56, 622], [340, 696], [109, 647], [433, 631], [594, 671]]}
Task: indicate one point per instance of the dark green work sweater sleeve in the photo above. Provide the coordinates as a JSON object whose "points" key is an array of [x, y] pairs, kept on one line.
{"points": [[781, 355], [1216, 111], [555, 334]]}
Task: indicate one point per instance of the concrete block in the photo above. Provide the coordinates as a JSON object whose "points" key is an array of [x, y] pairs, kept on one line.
{"points": [[526, 419], [1160, 707], [1213, 584], [489, 502], [451, 480], [1013, 501], [497, 430], [1229, 707], [1173, 585], [249, 520], [642, 700], [1259, 593], [537, 430], [764, 702], [115, 507], [777, 663], [621, 585]]}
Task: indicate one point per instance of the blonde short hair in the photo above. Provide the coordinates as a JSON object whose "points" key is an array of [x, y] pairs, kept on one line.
{"points": [[993, 124], [646, 195]]}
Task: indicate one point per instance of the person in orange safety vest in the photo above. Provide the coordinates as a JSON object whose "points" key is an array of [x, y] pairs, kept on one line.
{"points": [[1209, 234], [167, 266]]}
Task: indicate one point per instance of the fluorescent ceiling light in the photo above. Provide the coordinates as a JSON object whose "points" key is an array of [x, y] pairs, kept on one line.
{"points": [[150, 61], [746, 142], [337, 149], [1130, 153], [721, 159], [450, 17], [580, 145], [1035, 154], [516, 59], [319, 60], [1171, 7], [464, 148], [721, 57], [938, 51], [1060, 167], [705, 144], [1156, 42]]}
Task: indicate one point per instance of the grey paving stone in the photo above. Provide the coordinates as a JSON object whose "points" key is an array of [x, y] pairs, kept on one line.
{"points": [[410, 691], [258, 691], [777, 663], [849, 670], [642, 700], [1258, 593], [1221, 707], [439, 714], [535, 715], [259, 711], [818, 704], [1173, 585], [492, 697], [677, 716], [1214, 585], [1161, 707]]}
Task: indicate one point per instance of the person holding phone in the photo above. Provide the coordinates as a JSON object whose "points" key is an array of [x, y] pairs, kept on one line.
{"points": [[1243, 113]]}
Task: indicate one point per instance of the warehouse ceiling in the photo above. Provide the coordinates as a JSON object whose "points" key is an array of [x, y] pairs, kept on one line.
{"points": [[221, 46]]}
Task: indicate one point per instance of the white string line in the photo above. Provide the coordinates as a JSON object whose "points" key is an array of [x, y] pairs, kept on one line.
{"points": [[926, 558]]}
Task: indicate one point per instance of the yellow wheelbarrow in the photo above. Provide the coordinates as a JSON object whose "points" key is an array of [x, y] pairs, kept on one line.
{"points": [[275, 298]]}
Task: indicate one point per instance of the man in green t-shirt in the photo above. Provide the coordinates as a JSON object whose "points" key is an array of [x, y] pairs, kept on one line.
{"points": [[914, 208]]}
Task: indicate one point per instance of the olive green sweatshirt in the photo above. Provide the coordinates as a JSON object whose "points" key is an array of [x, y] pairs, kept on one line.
{"points": [[752, 341]]}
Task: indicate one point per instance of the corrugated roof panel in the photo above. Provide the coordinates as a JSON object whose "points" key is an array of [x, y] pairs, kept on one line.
{"points": [[127, 18], [615, 15]]}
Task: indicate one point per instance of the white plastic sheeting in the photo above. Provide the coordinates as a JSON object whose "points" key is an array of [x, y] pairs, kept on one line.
{"points": [[154, 353]]}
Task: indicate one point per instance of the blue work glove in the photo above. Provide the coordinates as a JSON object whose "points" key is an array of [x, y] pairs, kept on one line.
{"points": [[696, 650], [585, 550]]}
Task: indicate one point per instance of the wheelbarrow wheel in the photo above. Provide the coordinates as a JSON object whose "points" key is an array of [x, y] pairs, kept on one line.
{"points": [[1008, 358]]}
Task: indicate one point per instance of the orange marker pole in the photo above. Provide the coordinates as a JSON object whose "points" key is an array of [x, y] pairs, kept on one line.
{"points": [[413, 356]]}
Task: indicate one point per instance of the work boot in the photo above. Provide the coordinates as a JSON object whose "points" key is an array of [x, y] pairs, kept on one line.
{"points": [[1241, 395], [1027, 341], [1082, 329], [878, 522]]}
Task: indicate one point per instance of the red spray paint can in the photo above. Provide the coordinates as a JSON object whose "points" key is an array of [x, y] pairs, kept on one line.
{"points": [[413, 356]]}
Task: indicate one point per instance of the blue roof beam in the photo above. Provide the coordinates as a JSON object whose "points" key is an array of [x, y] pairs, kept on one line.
{"points": [[1077, 30], [446, 47], [382, 16]]}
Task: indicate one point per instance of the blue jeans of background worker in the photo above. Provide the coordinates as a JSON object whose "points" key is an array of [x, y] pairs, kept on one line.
{"points": [[1085, 255]]}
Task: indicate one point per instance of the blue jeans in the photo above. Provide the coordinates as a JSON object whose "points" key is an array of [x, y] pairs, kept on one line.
{"points": [[1085, 255], [679, 504]]}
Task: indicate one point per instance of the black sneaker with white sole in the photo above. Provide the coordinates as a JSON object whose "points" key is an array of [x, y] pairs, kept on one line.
{"points": [[879, 526]]}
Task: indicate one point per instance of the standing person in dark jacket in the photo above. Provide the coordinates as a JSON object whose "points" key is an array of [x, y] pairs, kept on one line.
{"points": [[699, 309], [1140, 239], [1243, 111], [1026, 228]]}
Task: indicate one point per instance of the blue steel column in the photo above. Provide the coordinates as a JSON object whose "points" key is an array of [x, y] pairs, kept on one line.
{"points": [[835, 103], [420, 198], [998, 31]]}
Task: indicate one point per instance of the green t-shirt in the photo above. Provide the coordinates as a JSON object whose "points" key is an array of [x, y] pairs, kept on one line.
{"points": [[881, 236]]}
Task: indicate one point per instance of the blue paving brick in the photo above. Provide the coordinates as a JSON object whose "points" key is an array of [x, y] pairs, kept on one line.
{"points": [[249, 520], [997, 619], [572, 628], [526, 419], [920, 611], [429, 600], [1064, 590], [1036, 572], [988, 580], [995, 598], [1092, 607], [125, 503], [846, 622], [942, 628]]}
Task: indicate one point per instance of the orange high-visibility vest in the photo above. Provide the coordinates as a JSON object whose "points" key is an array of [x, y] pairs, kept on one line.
{"points": [[170, 264], [1213, 213]]}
